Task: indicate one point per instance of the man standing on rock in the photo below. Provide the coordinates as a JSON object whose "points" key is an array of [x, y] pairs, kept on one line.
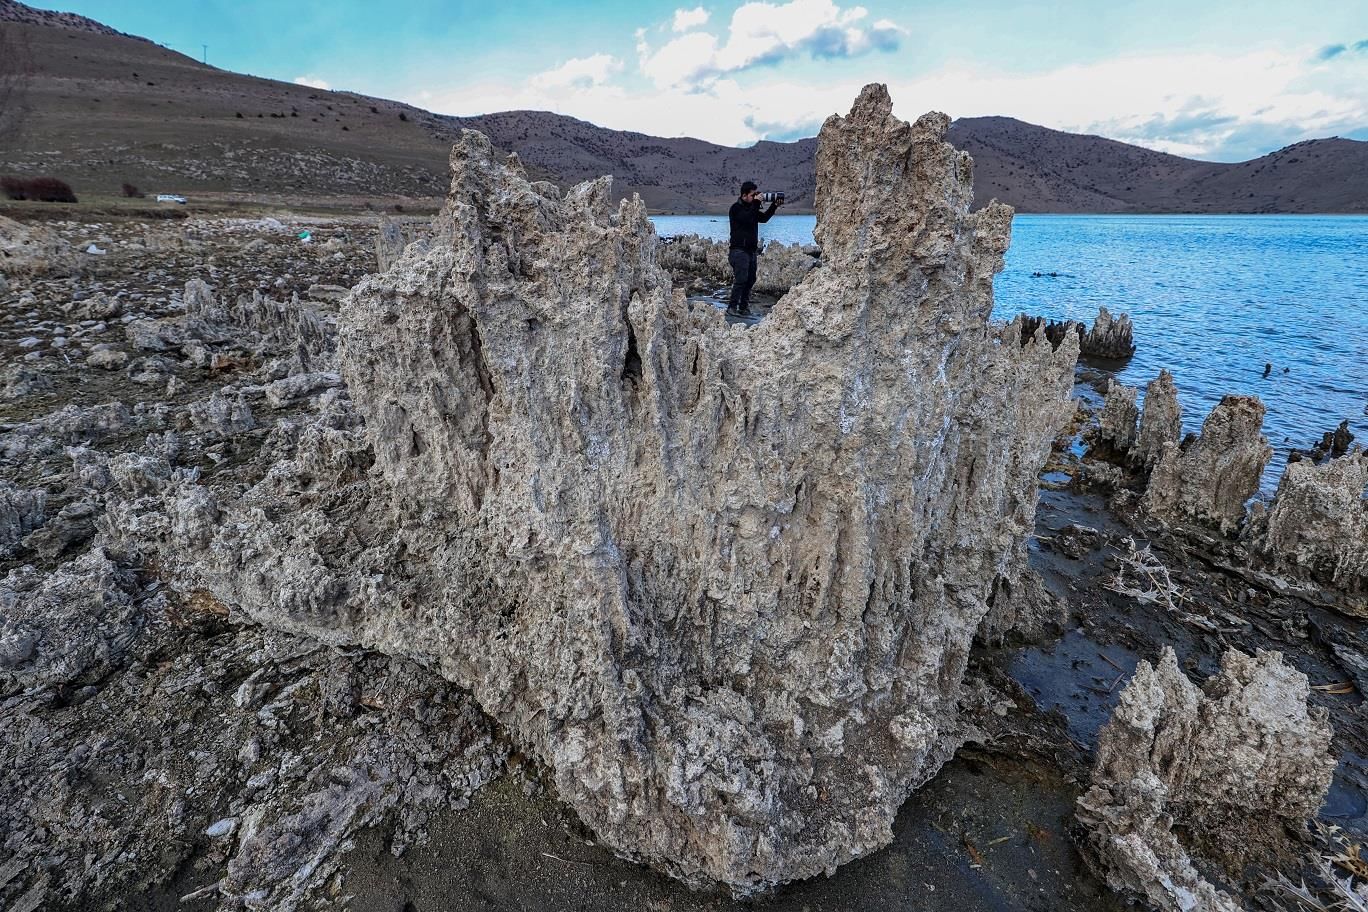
{"points": [[745, 218]]}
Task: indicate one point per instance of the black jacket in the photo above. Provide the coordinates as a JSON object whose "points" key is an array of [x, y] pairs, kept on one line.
{"points": [[745, 224]]}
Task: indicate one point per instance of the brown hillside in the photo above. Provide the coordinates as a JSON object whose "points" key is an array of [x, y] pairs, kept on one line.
{"points": [[106, 108]]}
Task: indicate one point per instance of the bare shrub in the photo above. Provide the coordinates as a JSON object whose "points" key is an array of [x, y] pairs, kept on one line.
{"points": [[41, 189], [132, 192]]}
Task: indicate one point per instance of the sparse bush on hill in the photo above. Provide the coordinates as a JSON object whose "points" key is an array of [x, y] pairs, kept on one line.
{"points": [[132, 192], [403, 116], [41, 189]]}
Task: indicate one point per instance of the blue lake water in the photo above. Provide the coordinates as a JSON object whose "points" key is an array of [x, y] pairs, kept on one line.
{"points": [[1213, 298]]}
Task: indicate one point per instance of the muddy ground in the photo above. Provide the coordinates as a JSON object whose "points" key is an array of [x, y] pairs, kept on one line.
{"points": [[994, 831]]}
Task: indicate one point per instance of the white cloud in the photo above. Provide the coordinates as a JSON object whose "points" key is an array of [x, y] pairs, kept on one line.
{"points": [[313, 82], [762, 33], [578, 73], [1226, 106], [685, 19]]}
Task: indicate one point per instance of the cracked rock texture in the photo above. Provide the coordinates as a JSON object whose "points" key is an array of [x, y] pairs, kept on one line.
{"points": [[1225, 763], [1317, 525], [1161, 421], [1210, 480], [722, 582]]}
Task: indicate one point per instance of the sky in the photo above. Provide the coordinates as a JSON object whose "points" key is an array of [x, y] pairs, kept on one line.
{"points": [[1226, 80]]}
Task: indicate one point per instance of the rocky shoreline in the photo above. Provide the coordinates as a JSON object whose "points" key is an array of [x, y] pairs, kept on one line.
{"points": [[299, 557]]}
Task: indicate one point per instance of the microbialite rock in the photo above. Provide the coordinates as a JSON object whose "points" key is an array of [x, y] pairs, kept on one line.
{"points": [[1228, 765], [722, 582], [1211, 479]]}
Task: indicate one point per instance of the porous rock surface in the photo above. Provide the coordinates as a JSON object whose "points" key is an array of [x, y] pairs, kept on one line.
{"points": [[1116, 424], [1161, 421], [1211, 479], [722, 582], [32, 250], [1317, 525], [1227, 763]]}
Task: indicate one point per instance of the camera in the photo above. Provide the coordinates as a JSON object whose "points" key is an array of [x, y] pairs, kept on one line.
{"points": [[771, 196]]}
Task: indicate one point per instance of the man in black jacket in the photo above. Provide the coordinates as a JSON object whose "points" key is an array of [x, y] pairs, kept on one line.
{"points": [[745, 216]]}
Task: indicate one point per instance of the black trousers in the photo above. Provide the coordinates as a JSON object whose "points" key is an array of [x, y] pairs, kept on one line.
{"points": [[743, 278]]}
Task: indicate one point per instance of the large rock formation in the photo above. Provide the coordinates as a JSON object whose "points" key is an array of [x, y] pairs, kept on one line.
{"points": [[723, 582], [1211, 479], [1224, 764]]}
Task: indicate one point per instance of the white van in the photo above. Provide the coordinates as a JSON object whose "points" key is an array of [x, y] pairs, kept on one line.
{"points": [[170, 198]]}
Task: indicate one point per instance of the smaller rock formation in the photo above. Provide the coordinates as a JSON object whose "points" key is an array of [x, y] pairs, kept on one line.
{"points": [[1108, 337], [1317, 525], [780, 267], [1225, 764], [20, 381], [32, 250], [1055, 331], [69, 627], [1161, 421], [697, 260], [1116, 431], [222, 416], [21, 511], [391, 239], [1211, 479], [1332, 444]]}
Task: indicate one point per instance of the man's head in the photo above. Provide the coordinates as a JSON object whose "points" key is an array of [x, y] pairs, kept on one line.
{"points": [[748, 191]]}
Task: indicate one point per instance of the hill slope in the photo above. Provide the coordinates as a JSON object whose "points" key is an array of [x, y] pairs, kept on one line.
{"points": [[105, 108]]}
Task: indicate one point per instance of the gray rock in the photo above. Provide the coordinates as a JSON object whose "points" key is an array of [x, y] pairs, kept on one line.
{"points": [[21, 511], [1109, 337], [290, 390], [20, 381], [27, 249], [1210, 481], [222, 414], [1161, 421], [1228, 764], [670, 556], [107, 357], [1116, 432], [1317, 526], [65, 627]]}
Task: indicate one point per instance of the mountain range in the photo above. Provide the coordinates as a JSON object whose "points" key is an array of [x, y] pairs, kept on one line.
{"points": [[103, 108]]}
